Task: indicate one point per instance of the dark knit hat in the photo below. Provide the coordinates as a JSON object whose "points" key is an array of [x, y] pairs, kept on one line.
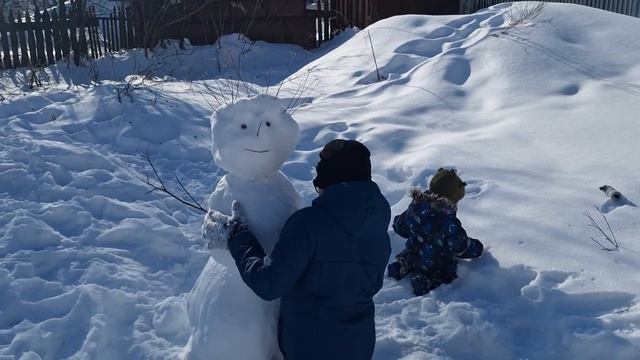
{"points": [[446, 183], [342, 161]]}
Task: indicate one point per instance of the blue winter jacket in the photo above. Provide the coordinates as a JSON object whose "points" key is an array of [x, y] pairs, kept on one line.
{"points": [[326, 267]]}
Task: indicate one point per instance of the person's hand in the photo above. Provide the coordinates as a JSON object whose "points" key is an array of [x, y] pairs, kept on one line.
{"points": [[237, 222], [218, 228], [214, 229]]}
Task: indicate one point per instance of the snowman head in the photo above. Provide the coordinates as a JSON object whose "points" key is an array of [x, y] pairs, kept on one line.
{"points": [[253, 137]]}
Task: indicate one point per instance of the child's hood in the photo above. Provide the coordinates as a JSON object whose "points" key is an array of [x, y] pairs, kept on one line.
{"points": [[437, 202]]}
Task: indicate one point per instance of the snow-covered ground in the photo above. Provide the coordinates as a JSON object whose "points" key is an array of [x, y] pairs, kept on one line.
{"points": [[535, 118]]}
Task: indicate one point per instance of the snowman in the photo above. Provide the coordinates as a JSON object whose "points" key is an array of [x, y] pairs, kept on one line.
{"points": [[251, 139]]}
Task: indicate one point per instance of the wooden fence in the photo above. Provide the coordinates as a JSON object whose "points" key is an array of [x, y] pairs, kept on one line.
{"points": [[333, 16], [44, 37], [625, 7]]}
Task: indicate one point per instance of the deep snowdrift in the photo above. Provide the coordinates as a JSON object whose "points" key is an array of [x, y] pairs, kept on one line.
{"points": [[535, 117]]}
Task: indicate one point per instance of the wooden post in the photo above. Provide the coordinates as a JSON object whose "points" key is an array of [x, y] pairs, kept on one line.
{"points": [[326, 15], [57, 43], [73, 38], [82, 30], [90, 42], [33, 57], [24, 50], [354, 12], [47, 27], [94, 30], [337, 12], [365, 16], [122, 28], [4, 44], [130, 29], [114, 29], [105, 38], [13, 36], [318, 20], [37, 22], [63, 30]]}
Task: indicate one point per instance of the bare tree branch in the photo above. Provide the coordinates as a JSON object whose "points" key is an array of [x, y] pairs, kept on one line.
{"points": [[610, 237], [163, 188]]}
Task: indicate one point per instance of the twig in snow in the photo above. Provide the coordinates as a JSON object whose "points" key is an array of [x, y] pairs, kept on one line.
{"points": [[375, 61], [609, 237], [163, 188]]}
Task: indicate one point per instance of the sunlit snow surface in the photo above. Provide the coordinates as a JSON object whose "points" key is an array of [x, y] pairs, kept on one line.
{"points": [[535, 118]]}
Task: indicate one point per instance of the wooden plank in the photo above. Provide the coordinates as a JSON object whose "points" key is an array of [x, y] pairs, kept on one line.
{"points": [[82, 30], [114, 31], [326, 16], [31, 39], [105, 38], [110, 34], [335, 26], [13, 37], [73, 37], [63, 30], [47, 28], [341, 14], [318, 21], [24, 50], [626, 8], [94, 31], [630, 7], [4, 45], [91, 45], [367, 15], [122, 29], [130, 29], [57, 43], [37, 22]]}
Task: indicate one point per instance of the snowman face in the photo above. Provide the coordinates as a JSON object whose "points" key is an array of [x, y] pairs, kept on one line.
{"points": [[253, 137]]}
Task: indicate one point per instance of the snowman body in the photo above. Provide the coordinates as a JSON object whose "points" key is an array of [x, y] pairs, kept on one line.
{"points": [[251, 140]]}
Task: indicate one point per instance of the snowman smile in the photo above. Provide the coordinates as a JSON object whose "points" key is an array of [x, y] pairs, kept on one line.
{"points": [[258, 151]]}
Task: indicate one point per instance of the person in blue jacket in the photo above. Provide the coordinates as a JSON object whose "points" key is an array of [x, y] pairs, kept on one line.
{"points": [[328, 263], [435, 236]]}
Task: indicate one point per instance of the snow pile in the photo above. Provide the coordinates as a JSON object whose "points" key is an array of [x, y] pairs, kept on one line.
{"points": [[535, 117]]}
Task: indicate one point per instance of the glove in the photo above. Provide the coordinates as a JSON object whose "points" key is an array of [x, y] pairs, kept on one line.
{"points": [[219, 228], [422, 284]]}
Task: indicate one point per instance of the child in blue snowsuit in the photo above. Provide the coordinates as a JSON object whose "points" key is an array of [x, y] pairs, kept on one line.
{"points": [[435, 237]]}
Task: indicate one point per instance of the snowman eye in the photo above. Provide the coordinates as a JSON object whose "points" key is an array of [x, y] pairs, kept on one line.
{"points": [[243, 126], [268, 123]]}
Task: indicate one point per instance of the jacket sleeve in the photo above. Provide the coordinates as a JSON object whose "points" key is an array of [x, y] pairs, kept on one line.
{"points": [[400, 225], [272, 276], [459, 243]]}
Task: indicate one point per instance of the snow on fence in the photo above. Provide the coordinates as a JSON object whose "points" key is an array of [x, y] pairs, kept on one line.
{"points": [[625, 7], [70, 33]]}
